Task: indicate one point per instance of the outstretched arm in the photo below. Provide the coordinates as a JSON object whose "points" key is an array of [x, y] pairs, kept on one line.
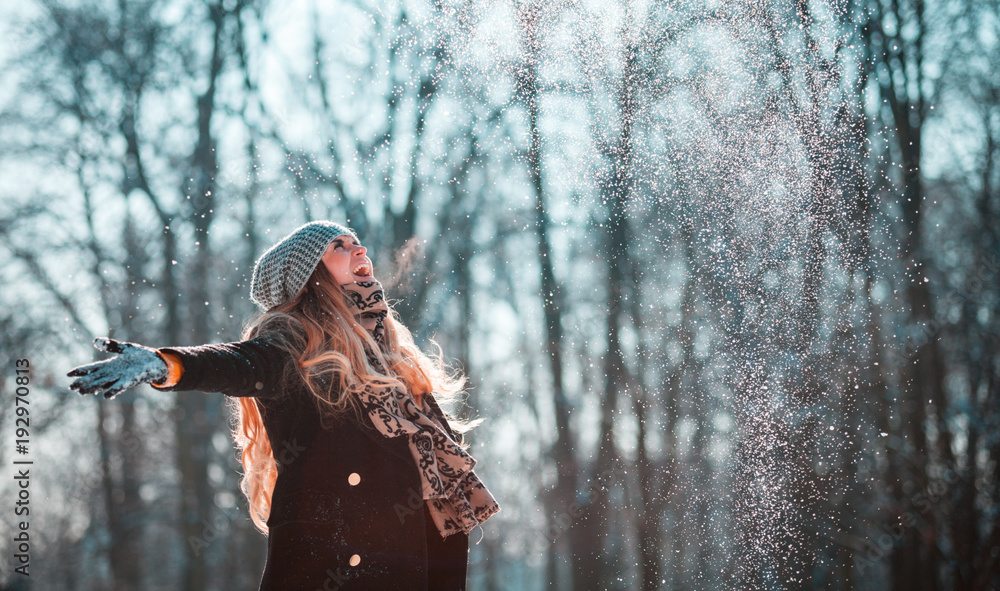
{"points": [[248, 368]]}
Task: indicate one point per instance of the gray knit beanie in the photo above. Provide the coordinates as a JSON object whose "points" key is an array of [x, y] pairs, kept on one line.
{"points": [[282, 271]]}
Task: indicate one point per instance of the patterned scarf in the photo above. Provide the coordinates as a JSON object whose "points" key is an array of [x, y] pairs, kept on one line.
{"points": [[458, 501]]}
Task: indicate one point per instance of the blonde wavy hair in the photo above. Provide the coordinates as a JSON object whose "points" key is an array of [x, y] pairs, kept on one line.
{"points": [[319, 332]]}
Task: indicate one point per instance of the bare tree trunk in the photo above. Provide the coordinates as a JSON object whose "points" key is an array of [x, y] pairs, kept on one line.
{"points": [[195, 414], [615, 240], [563, 497], [122, 503], [796, 566], [128, 441], [680, 392], [915, 565], [969, 539], [649, 514]]}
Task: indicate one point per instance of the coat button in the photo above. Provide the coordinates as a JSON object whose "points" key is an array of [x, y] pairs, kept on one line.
{"points": [[355, 560], [354, 479]]}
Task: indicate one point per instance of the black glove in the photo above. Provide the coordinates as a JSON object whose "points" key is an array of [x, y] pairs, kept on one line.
{"points": [[134, 365]]}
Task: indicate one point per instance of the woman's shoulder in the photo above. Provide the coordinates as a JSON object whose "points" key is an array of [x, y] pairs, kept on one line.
{"points": [[276, 341], [279, 329]]}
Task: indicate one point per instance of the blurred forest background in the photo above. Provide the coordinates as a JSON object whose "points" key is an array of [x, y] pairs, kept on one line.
{"points": [[724, 275]]}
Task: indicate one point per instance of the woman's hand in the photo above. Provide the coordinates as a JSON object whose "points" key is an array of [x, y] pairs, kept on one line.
{"points": [[134, 365]]}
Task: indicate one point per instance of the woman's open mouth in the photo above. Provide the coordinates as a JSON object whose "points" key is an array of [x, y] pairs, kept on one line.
{"points": [[363, 270]]}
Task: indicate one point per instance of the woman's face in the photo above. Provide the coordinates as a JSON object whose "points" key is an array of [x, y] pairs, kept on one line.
{"points": [[346, 260]]}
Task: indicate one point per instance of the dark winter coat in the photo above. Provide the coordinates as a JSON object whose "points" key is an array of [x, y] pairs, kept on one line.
{"points": [[347, 512]]}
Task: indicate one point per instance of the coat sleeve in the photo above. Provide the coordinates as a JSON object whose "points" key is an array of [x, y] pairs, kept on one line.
{"points": [[247, 368]]}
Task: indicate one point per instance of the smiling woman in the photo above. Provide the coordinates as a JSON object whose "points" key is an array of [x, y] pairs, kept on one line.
{"points": [[347, 260], [328, 371]]}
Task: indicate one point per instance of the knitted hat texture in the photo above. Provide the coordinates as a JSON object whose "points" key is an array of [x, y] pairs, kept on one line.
{"points": [[282, 271]]}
